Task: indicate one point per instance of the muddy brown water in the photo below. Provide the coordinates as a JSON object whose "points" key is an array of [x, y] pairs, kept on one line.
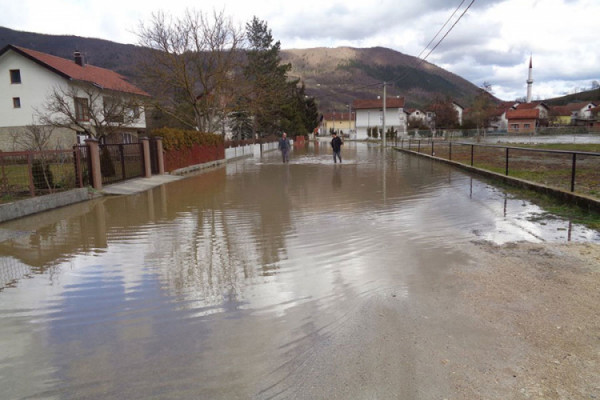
{"points": [[254, 280]]}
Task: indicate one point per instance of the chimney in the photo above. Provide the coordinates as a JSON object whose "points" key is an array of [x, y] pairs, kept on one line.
{"points": [[78, 58]]}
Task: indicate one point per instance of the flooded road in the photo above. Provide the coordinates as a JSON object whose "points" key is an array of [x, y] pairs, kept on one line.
{"points": [[258, 280]]}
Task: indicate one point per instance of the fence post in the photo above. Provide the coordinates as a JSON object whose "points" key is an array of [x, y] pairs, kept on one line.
{"points": [[419, 146], [94, 156], [30, 172], [146, 157], [77, 162], [573, 172], [507, 161], [160, 155], [450, 151], [472, 148], [122, 155], [432, 152]]}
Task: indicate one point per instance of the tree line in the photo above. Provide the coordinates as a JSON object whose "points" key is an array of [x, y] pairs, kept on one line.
{"points": [[209, 75]]}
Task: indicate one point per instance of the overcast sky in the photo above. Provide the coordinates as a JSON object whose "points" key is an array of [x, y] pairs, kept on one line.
{"points": [[491, 43]]}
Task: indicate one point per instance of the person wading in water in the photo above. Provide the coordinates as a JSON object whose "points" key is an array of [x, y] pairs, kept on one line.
{"points": [[284, 146], [336, 145]]}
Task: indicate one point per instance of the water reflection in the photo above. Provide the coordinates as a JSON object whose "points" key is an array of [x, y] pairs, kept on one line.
{"points": [[213, 286]]}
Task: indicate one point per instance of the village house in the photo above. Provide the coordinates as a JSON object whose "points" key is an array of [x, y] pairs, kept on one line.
{"points": [[522, 120], [580, 114], [595, 118], [339, 122], [543, 108], [28, 79], [416, 118], [369, 113], [459, 112]]}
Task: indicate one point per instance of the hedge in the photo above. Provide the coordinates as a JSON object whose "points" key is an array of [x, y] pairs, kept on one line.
{"points": [[178, 139]]}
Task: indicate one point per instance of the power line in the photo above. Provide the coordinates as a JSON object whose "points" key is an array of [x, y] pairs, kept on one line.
{"points": [[422, 60], [443, 26]]}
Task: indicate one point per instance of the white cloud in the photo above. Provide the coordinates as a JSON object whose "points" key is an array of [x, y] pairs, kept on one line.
{"points": [[492, 42]]}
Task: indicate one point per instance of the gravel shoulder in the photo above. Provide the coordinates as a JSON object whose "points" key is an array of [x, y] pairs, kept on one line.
{"points": [[543, 303]]}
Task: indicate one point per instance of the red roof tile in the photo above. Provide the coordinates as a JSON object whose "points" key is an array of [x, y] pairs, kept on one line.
{"points": [[101, 77], [391, 102], [530, 113]]}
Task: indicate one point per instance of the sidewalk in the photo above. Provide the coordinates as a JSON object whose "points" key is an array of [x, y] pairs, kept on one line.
{"points": [[138, 185], [35, 205]]}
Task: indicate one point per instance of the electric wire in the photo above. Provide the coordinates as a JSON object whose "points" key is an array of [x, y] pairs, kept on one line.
{"points": [[418, 59]]}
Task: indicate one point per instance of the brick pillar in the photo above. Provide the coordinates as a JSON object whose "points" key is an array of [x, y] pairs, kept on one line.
{"points": [[94, 155], [160, 156], [147, 162]]}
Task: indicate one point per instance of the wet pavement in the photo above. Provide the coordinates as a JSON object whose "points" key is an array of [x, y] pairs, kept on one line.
{"points": [[255, 280]]}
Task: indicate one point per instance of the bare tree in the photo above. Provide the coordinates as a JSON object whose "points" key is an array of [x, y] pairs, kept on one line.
{"points": [[87, 108], [191, 66], [483, 108], [33, 137]]}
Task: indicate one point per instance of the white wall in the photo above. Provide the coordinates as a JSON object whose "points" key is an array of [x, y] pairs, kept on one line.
{"points": [[395, 117], [36, 85]]}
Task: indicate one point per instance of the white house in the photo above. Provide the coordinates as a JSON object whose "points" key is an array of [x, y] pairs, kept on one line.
{"points": [[28, 78], [369, 113], [459, 111]]}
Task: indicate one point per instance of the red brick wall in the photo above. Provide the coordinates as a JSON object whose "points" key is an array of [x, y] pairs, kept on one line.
{"points": [[175, 159], [521, 123]]}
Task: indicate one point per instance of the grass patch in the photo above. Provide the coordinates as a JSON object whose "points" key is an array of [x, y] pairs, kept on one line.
{"points": [[573, 213]]}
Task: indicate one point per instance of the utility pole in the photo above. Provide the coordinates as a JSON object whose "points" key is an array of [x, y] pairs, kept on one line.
{"points": [[349, 120], [383, 133]]}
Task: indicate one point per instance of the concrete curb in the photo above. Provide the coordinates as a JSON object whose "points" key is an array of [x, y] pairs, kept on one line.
{"points": [[198, 167], [572, 198], [47, 202]]}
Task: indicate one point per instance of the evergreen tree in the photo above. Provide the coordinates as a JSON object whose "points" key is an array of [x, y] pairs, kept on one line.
{"points": [[266, 77]]}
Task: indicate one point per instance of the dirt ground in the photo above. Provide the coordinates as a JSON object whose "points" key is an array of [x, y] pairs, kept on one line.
{"points": [[543, 303]]}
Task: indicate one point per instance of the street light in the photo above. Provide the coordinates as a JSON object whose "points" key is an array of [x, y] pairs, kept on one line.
{"points": [[349, 119]]}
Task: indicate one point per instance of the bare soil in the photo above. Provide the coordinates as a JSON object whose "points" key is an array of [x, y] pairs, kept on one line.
{"points": [[544, 300]]}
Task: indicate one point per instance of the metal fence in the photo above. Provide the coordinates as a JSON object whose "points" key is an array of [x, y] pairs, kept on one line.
{"points": [[574, 171], [33, 173], [119, 162]]}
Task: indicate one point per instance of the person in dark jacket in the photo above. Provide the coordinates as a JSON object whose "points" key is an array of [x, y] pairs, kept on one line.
{"points": [[284, 147], [336, 145]]}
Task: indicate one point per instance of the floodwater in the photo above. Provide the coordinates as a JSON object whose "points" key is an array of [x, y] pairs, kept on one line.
{"points": [[255, 280]]}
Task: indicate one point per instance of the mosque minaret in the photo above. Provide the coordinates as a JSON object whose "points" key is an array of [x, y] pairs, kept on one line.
{"points": [[530, 80]]}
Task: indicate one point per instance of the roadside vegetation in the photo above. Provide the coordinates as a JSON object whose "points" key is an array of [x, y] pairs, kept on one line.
{"points": [[549, 169]]}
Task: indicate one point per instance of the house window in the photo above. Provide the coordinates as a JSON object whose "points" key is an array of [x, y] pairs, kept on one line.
{"points": [[16, 102], [82, 109], [136, 112], [514, 127], [81, 137], [128, 138], [527, 126], [15, 76]]}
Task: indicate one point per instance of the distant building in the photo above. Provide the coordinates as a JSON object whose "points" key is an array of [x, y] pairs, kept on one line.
{"points": [[522, 121], [369, 113], [543, 109], [339, 122], [580, 114], [28, 77]]}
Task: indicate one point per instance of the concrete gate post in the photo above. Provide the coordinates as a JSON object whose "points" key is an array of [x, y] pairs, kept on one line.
{"points": [[94, 155], [159, 155], [147, 162]]}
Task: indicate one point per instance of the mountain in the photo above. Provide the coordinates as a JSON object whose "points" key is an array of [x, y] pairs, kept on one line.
{"points": [[334, 76]]}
